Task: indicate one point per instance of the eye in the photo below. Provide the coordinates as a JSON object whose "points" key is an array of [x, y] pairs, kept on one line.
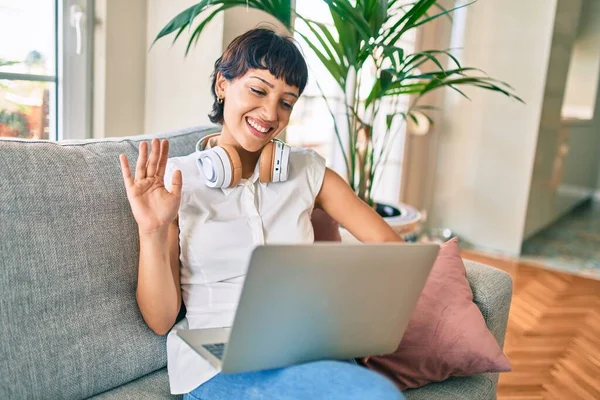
{"points": [[257, 92], [287, 105]]}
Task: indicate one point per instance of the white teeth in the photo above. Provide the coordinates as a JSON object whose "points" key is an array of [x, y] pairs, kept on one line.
{"points": [[257, 127]]}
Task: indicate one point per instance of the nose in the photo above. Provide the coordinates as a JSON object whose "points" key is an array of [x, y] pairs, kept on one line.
{"points": [[269, 111]]}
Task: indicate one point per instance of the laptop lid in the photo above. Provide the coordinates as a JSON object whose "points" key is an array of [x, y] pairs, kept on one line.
{"points": [[310, 302]]}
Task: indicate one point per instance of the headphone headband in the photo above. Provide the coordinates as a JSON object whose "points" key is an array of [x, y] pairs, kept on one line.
{"points": [[222, 167], [202, 143]]}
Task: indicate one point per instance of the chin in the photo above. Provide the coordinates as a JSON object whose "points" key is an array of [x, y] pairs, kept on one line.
{"points": [[254, 141], [249, 143]]}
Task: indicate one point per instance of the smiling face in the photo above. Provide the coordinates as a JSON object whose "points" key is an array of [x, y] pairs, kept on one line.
{"points": [[257, 107], [259, 78]]}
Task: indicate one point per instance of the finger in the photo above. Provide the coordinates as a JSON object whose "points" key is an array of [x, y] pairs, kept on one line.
{"points": [[153, 160], [140, 167], [176, 182], [126, 172], [164, 156]]}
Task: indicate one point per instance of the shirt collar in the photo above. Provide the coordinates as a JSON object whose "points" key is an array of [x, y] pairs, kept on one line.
{"points": [[250, 181]]}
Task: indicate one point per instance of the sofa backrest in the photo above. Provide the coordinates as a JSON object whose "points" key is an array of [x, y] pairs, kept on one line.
{"points": [[69, 322], [70, 326]]}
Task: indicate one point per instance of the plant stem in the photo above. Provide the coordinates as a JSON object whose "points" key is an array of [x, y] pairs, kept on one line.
{"points": [[335, 126]]}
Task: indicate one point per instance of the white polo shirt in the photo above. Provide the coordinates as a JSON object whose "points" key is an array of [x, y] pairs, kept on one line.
{"points": [[218, 229]]}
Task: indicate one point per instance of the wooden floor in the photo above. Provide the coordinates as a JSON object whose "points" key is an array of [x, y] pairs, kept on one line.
{"points": [[553, 337]]}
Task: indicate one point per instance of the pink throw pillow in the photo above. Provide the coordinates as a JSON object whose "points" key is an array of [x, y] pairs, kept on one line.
{"points": [[326, 228], [446, 335]]}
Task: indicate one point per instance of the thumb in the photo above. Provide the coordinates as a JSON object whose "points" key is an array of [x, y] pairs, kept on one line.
{"points": [[176, 182]]}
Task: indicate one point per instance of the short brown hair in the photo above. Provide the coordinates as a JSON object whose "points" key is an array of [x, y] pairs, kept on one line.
{"points": [[259, 48]]}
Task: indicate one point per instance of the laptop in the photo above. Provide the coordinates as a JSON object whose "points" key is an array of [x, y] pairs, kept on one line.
{"points": [[309, 302]]}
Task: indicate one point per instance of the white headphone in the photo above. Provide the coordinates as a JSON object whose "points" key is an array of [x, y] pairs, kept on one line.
{"points": [[222, 167]]}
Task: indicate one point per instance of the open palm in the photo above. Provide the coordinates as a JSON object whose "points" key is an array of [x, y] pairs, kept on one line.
{"points": [[153, 206]]}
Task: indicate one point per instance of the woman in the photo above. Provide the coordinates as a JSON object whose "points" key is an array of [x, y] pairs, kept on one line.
{"points": [[217, 217]]}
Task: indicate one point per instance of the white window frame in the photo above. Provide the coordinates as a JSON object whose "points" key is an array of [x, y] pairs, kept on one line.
{"points": [[72, 106], [74, 80]]}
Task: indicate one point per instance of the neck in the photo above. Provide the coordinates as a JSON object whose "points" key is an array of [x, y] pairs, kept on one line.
{"points": [[247, 158]]}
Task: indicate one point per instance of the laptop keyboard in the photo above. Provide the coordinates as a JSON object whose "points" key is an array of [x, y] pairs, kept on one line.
{"points": [[216, 349]]}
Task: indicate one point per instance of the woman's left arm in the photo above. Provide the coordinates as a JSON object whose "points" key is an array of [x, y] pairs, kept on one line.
{"points": [[338, 200]]}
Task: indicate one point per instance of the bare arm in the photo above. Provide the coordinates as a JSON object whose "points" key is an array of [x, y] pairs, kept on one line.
{"points": [[155, 210], [338, 200], [158, 292]]}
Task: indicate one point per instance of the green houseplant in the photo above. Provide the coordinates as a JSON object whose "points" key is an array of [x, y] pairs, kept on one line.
{"points": [[13, 124], [362, 42]]}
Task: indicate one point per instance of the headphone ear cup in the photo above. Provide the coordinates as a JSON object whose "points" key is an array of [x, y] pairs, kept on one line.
{"points": [[235, 163], [211, 166], [285, 163], [266, 163], [278, 155]]}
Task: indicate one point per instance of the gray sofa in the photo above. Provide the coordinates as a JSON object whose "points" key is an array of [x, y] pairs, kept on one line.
{"points": [[69, 324]]}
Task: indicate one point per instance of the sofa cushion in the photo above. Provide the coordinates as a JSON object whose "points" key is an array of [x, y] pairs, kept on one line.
{"points": [[326, 228], [447, 334], [70, 325], [478, 387], [154, 386]]}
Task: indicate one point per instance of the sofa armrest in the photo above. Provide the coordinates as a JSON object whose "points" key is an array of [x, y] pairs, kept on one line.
{"points": [[492, 292]]}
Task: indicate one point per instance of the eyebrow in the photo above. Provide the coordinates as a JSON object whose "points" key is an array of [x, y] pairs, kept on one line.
{"points": [[269, 84]]}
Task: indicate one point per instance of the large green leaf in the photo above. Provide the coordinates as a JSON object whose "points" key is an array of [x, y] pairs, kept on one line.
{"points": [[196, 35], [180, 22], [444, 12], [394, 54], [375, 13], [415, 60], [436, 83], [349, 38], [417, 15], [332, 67], [327, 40], [363, 30], [280, 9], [350, 14], [440, 74], [333, 59], [380, 87], [416, 11]]}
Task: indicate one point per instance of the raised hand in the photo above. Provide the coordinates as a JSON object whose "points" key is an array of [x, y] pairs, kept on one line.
{"points": [[153, 206]]}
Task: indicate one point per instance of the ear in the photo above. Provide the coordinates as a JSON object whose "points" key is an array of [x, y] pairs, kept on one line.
{"points": [[221, 85]]}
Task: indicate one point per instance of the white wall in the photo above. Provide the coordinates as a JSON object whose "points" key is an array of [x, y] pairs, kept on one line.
{"points": [[486, 146], [119, 68], [577, 172], [178, 87], [552, 138], [239, 20], [178, 92], [506, 170], [142, 89]]}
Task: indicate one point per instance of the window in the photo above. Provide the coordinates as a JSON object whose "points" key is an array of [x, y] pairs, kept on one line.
{"points": [[44, 69], [311, 124]]}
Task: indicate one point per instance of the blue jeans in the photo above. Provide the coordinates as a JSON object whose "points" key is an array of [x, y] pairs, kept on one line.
{"points": [[329, 380]]}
